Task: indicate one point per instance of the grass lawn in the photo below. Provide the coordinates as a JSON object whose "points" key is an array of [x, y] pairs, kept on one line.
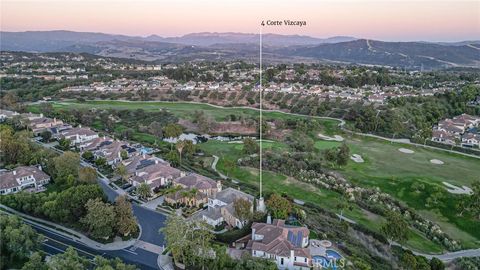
{"points": [[322, 145], [274, 182], [395, 172], [180, 109]]}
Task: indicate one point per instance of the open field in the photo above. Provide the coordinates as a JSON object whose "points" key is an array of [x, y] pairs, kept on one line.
{"points": [[385, 167], [275, 182], [180, 109]]}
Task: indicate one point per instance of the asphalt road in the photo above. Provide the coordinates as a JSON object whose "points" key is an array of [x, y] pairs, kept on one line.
{"points": [[150, 221], [55, 243]]}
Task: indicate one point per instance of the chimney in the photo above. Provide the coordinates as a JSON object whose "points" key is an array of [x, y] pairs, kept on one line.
{"points": [[156, 161], [40, 167], [269, 219], [80, 126], [253, 234], [14, 172]]}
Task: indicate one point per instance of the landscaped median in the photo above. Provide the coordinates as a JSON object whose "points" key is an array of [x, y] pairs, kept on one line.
{"points": [[117, 244]]}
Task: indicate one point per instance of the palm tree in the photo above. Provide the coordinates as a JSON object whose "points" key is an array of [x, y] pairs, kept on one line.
{"points": [[121, 171], [143, 191]]}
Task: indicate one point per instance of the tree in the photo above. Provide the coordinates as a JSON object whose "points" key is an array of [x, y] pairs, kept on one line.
{"points": [[180, 145], [229, 165], [102, 263], [409, 260], [64, 144], [88, 155], [126, 222], [124, 154], [250, 146], [35, 262], [436, 264], [14, 146], [243, 209], [67, 164], [189, 241], [68, 260], [122, 172], [18, 240], [100, 218], [172, 131], [144, 191], [471, 202], [300, 142], [100, 162], [279, 206], [175, 231], [46, 135], [396, 228], [173, 157], [87, 175], [343, 155]]}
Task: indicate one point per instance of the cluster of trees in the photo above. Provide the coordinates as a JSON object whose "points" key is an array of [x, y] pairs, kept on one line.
{"points": [[408, 260], [413, 117], [471, 203], [338, 155], [20, 247], [17, 148], [82, 205]]}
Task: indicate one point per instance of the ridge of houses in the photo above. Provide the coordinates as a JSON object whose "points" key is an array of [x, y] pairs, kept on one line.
{"points": [[462, 130]]}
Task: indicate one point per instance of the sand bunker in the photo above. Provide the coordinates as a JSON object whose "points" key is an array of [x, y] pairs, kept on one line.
{"points": [[406, 151], [357, 158], [457, 190], [436, 161], [337, 138]]}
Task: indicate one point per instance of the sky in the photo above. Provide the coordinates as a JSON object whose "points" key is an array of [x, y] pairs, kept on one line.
{"points": [[390, 20]]}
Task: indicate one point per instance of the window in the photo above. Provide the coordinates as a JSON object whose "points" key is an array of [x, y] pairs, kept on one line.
{"points": [[295, 259], [305, 259], [254, 252], [281, 261]]}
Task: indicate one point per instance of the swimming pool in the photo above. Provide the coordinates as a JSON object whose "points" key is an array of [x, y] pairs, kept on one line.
{"points": [[333, 254]]}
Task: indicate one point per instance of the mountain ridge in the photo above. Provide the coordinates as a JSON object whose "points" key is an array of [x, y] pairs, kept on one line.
{"points": [[219, 46]]}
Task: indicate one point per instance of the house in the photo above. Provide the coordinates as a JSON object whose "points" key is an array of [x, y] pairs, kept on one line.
{"points": [[21, 178], [221, 208], [79, 135], [201, 183], [443, 137], [155, 175], [5, 114], [112, 151], [95, 144], [194, 190], [284, 244], [42, 123], [188, 197], [471, 140], [138, 162]]}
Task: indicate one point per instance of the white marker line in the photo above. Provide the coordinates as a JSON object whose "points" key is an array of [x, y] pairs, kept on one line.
{"points": [[261, 114]]}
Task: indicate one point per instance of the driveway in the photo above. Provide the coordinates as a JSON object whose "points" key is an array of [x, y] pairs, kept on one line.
{"points": [[152, 204]]}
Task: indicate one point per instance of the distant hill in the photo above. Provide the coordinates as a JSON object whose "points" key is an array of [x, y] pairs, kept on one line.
{"points": [[50, 41], [232, 46], [403, 54]]}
